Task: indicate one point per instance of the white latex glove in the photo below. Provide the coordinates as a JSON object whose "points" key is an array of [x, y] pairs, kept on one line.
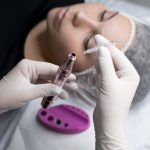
{"points": [[21, 84], [117, 81]]}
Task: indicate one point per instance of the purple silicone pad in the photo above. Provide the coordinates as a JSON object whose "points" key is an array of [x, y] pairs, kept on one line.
{"points": [[64, 118]]}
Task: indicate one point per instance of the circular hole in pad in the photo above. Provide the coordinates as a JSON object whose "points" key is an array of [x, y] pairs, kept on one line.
{"points": [[43, 113], [50, 118], [58, 122], [75, 119], [66, 124]]}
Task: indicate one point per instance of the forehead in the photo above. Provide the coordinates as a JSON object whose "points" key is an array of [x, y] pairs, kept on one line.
{"points": [[90, 6]]}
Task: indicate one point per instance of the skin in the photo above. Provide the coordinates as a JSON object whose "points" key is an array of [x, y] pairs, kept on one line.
{"points": [[51, 42]]}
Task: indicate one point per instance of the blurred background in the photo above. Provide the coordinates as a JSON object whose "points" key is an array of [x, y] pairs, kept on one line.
{"points": [[142, 2]]}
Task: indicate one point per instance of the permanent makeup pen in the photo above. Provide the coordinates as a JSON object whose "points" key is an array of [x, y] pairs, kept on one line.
{"points": [[62, 75]]}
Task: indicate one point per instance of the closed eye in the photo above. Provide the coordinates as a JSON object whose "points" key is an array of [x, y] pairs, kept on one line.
{"points": [[86, 41], [107, 15], [103, 16]]}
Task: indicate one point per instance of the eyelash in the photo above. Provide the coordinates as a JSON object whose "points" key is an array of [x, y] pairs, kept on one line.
{"points": [[86, 41]]}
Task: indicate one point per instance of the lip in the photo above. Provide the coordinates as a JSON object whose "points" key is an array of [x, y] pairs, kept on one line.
{"points": [[60, 15]]}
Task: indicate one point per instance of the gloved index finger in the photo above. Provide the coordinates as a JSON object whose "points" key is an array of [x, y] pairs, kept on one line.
{"points": [[71, 77], [46, 70], [104, 64]]}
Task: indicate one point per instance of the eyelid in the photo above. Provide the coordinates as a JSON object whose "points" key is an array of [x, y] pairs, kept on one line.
{"points": [[114, 14], [108, 17], [86, 40]]}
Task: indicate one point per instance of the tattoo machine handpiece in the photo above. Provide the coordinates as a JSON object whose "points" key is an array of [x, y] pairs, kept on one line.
{"points": [[62, 75]]}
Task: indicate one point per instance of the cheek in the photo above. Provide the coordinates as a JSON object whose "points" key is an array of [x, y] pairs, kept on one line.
{"points": [[72, 42]]}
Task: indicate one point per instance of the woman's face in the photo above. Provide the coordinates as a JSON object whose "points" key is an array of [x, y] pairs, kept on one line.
{"points": [[72, 29]]}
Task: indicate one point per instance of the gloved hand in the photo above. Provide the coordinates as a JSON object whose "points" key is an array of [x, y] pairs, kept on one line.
{"points": [[23, 84], [117, 81]]}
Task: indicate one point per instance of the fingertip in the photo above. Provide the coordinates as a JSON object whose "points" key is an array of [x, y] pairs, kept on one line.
{"points": [[55, 90], [100, 39], [71, 85], [72, 77], [74, 86], [64, 95]]}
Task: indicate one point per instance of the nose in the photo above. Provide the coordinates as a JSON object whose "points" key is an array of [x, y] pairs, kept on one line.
{"points": [[81, 19]]}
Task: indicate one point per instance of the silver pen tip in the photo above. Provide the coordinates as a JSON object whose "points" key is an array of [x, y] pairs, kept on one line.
{"points": [[72, 56]]}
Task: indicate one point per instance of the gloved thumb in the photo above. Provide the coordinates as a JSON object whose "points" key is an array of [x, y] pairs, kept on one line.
{"points": [[44, 90]]}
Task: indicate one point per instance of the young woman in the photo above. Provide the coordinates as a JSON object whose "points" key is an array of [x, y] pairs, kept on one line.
{"points": [[70, 29]]}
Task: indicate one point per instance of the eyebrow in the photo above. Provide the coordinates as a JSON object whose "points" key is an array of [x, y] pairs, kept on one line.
{"points": [[113, 15], [101, 14]]}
